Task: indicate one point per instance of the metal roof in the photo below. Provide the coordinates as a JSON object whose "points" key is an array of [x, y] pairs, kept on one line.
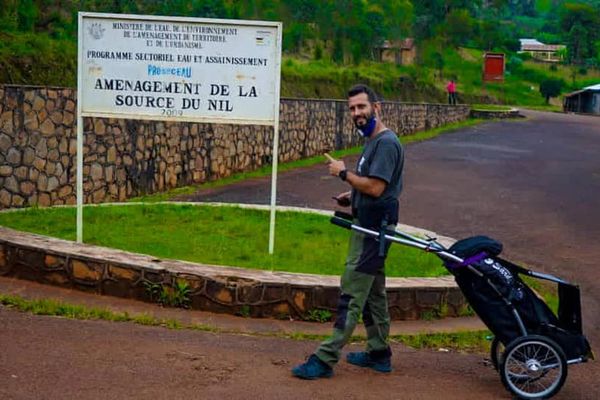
{"points": [[536, 45], [542, 47], [405, 44], [593, 88], [529, 41]]}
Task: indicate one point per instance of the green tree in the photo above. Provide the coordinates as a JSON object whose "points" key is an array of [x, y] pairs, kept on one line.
{"points": [[338, 47], [550, 88], [563, 54], [398, 17], [302, 10], [208, 9], [8, 15], [358, 29], [377, 32], [27, 14], [522, 7], [489, 35], [438, 61], [298, 17], [431, 55], [458, 27], [576, 43], [580, 24], [326, 29], [428, 15], [573, 13], [543, 6], [256, 9], [295, 35]]}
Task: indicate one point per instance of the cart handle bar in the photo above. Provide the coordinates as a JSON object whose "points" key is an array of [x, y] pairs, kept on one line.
{"points": [[345, 217], [405, 239], [433, 246]]}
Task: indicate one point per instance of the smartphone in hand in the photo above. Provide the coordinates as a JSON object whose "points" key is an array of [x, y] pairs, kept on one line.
{"points": [[342, 201]]}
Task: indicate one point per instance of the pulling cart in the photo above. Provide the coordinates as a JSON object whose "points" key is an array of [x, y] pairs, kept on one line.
{"points": [[532, 346]]}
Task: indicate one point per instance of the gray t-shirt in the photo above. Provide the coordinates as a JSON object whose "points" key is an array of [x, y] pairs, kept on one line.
{"points": [[382, 158]]}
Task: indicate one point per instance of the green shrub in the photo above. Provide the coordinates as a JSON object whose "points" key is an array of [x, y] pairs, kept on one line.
{"points": [[551, 88], [531, 74], [525, 56], [175, 295], [318, 52], [514, 64], [244, 311], [318, 315]]}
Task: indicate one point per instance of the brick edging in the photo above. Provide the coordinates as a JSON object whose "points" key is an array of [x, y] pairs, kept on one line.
{"points": [[212, 288]]}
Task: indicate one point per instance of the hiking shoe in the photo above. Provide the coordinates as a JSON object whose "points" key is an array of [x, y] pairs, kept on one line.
{"points": [[365, 360], [313, 368]]}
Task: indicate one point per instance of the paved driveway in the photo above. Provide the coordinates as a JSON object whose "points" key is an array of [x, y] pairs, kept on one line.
{"points": [[534, 184]]}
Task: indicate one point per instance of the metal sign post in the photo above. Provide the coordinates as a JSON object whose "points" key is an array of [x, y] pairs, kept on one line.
{"points": [[178, 69], [79, 161]]}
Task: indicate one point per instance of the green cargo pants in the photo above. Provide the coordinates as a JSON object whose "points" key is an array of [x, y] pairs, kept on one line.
{"points": [[363, 291]]}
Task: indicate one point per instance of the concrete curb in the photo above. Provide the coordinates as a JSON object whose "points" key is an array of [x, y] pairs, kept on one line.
{"points": [[221, 322], [495, 114], [212, 288]]}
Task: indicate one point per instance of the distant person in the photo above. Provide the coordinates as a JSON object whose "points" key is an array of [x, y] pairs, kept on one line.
{"points": [[375, 185], [451, 88]]}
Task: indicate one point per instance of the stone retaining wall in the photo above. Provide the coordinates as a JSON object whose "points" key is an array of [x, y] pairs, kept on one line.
{"points": [[210, 288], [127, 158]]}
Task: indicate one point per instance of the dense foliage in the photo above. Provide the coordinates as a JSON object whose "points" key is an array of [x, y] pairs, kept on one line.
{"points": [[38, 37], [350, 30]]}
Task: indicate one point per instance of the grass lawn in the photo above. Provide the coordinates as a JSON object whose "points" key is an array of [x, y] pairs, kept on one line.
{"points": [[217, 235], [566, 72], [475, 342]]}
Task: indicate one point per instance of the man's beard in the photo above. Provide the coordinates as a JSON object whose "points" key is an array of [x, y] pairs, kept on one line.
{"points": [[366, 129], [367, 118]]}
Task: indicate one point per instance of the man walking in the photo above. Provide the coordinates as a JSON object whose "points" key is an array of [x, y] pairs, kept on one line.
{"points": [[375, 186]]}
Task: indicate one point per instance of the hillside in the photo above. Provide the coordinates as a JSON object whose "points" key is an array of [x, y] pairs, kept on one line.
{"points": [[328, 45]]}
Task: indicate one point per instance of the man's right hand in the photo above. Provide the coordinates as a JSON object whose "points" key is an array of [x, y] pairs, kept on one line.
{"points": [[335, 166]]}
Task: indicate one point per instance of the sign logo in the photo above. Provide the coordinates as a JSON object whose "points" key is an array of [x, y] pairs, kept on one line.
{"points": [[96, 30]]}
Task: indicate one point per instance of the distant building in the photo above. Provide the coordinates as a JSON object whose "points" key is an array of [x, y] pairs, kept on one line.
{"points": [[586, 100], [541, 51], [401, 52]]}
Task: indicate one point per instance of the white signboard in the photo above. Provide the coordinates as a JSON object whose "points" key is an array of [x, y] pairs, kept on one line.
{"points": [[181, 69], [171, 68]]}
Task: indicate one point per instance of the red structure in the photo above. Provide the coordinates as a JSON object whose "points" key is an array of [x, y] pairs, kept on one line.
{"points": [[493, 67]]}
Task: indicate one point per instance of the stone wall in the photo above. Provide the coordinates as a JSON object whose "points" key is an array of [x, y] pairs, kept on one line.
{"points": [[127, 158], [211, 288]]}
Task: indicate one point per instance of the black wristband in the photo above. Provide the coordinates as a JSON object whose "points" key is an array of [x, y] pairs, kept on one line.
{"points": [[343, 174]]}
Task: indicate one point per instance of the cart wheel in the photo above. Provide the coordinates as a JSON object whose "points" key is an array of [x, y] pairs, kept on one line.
{"points": [[533, 367], [496, 351]]}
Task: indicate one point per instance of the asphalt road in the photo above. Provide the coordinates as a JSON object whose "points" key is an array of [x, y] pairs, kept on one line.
{"points": [[534, 184]]}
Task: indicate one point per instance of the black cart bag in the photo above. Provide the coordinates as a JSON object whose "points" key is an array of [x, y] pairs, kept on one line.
{"points": [[495, 291]]}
